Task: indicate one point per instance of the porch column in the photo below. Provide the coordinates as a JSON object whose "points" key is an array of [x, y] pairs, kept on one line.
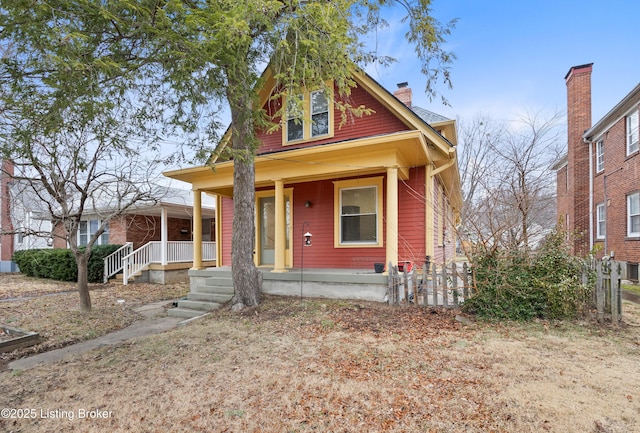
{"points": [[163, 235], [392, 215], [280, 223], [197, 229], [429, 209]]}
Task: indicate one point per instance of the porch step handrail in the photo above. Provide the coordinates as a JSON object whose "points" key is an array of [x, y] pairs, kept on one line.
{"points": [[137, 261], [151, 252], [113, 263]]}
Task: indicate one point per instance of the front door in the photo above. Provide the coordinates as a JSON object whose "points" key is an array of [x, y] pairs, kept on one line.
{"points": [[267, 229]]}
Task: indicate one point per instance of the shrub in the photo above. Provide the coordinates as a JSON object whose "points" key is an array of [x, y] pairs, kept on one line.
{"points": [[60, 264], [516, 286]]}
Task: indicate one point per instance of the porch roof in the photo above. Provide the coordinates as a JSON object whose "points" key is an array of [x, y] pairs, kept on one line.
{"points": [[363, 156]]}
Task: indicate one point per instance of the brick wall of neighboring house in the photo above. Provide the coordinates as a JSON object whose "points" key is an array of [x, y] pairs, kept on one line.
{"points": [[6, 241], [622, 173], [562, 198], [578, 81], [141, 229]]}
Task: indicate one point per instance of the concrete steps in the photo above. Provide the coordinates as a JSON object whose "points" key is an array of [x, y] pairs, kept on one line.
{"points": [[216, 291]]}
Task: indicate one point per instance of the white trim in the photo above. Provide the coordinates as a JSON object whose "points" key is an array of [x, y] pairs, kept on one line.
{"points": [[636, 196]]}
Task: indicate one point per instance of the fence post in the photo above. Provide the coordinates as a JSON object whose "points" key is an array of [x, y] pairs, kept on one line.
{"points": [[434, 285], [599, 292], [406, 285], [423, 285], [465, 280], [445, 287], [616, 303]]}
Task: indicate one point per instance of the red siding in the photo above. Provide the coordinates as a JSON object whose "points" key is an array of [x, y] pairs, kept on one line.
{"points": [[411, 217], [227, 224], [382, 121], [319, 221]]}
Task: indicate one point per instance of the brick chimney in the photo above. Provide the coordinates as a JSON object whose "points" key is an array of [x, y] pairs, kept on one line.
{"points": [[404, 93], [578, 81]]}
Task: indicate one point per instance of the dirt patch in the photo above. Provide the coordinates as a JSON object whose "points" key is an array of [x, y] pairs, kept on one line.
{"points": [[319, 365]]}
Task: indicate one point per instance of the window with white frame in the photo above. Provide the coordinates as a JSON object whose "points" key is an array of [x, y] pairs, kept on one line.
{"points": [[600, 156], [601, 225], [632, 132], [358, 213], [87, 229], [633, 215], [308, 117]]}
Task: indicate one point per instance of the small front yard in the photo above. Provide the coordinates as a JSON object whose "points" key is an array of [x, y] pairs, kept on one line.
{"points": [[52, 309], [333, 366]]}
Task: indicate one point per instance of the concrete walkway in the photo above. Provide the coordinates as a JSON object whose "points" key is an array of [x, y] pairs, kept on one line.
{"points": [[155, 321]]}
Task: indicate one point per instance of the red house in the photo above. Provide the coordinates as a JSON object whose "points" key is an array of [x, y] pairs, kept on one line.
{"points": [[381, 188], [597, 180]]}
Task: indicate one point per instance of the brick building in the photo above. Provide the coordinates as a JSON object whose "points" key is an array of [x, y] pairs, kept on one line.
{"points": [[598, 179]]}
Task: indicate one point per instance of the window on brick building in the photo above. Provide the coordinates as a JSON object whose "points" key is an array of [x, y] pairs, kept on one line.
{"points": [[601, 225], [632, 133], [633, 215], [600, 156], [88, 228]]}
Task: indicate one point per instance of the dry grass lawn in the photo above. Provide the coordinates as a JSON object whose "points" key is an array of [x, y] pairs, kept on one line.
{"points": [[337, 366]]}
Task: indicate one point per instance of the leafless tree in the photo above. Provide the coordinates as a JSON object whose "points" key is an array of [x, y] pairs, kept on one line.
{"points": [[508, 185], [72, 174]]}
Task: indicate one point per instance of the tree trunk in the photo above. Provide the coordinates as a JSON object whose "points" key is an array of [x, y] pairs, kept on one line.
{"points": [[82, 261], [246, 277]]}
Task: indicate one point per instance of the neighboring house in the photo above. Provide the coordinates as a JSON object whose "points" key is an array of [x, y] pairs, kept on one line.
{"points": [[598, 179], [161, 232], [381, 188]]}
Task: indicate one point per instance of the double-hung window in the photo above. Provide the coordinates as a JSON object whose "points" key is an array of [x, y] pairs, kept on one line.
{"points": [[633, 215], [601, 225], [319, 113], [632, 132], [295, 118], [600, 156], [88, 228], [358, 205], [308, 117]]}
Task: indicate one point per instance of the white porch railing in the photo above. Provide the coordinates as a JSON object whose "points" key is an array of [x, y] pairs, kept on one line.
{"points": [[151, 253], [113, 263]]}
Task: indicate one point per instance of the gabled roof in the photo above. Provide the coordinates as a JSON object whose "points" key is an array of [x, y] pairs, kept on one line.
{"points": [[421, 144], [428, 116]]}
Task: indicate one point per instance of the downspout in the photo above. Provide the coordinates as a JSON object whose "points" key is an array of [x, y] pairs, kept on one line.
{"points": [[591, 195], [443, 167]]}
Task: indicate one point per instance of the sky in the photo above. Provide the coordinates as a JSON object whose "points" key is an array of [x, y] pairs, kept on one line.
{"points": [[513, 55]]}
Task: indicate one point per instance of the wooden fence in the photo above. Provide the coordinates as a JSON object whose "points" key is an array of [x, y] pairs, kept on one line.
{"points": [[449, 287], [607, 295], [434, 287]]}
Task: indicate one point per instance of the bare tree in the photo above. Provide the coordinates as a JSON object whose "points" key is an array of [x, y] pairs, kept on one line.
{"points": [[508, 185], [74, 173]]}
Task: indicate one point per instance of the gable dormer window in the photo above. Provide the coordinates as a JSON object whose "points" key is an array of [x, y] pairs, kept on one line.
{"points": [[308, 117]]}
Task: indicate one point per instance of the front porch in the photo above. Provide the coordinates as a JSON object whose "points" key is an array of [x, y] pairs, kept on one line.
{"points": [[160, 262], [362, 284]]}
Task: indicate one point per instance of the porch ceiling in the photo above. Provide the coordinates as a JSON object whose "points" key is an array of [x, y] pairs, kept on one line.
{"points": [[356, 157], [175, 211]]}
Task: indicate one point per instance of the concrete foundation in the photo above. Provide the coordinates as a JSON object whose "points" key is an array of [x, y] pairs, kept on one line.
{"points": [[313, 283]]}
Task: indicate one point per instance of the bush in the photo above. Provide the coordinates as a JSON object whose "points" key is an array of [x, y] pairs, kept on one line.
{"points": [[516, 286], [60, 264]]}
